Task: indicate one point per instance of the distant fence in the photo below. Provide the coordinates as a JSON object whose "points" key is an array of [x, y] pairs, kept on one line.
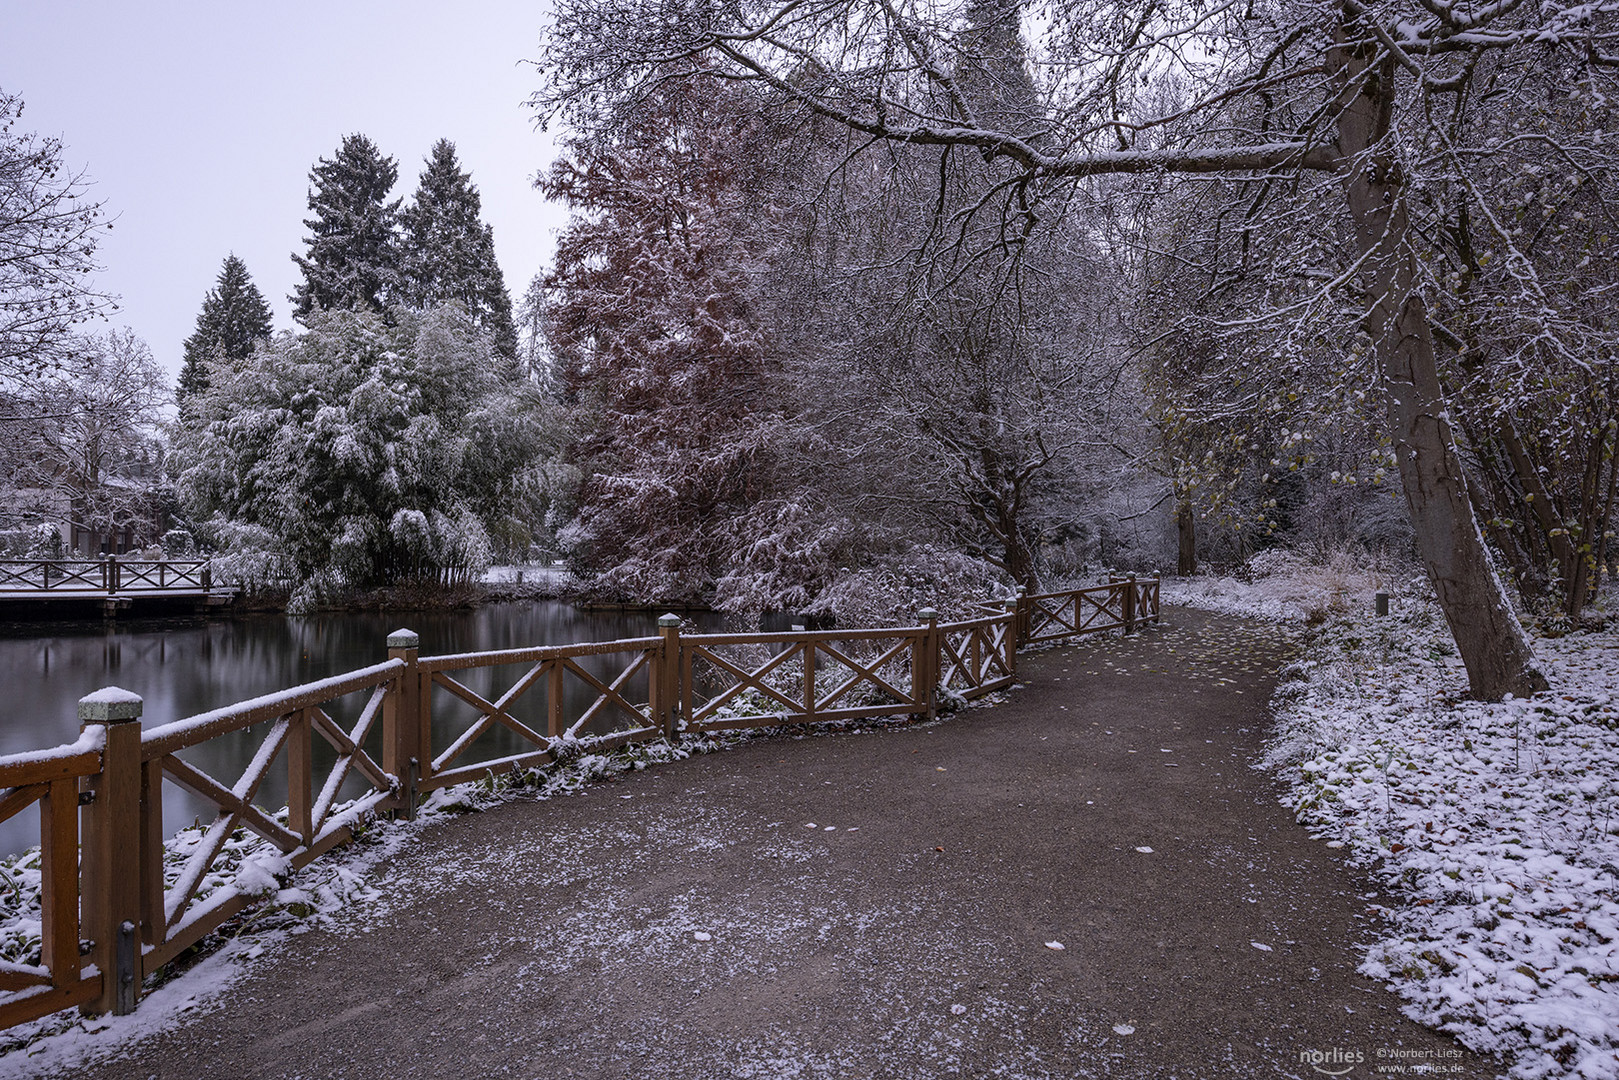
{"points": [[388, 733], [111, 575]]}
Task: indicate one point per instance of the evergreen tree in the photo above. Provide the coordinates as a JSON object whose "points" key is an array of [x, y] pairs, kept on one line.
{"points": [[354, 254], [234, 315], [450, 253]]}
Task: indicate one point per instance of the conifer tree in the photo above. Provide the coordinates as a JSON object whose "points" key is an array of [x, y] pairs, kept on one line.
{"points": [[234, 315], [449, 253], [354, 255], [653, 320]]}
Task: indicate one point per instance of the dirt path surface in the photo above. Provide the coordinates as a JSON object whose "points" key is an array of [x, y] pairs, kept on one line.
{"points": [[874, 905]]}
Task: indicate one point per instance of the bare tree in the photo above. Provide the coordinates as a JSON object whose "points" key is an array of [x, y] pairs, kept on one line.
{"points": [[83, 442], [48, 236], [1339, 88]]}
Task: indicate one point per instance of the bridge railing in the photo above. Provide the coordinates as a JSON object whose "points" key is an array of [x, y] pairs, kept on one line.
{"points": [[111, 575], [341, 751]]}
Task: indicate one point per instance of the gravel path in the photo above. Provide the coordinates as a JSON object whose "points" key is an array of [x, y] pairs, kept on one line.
{"points": [[883, 904]]}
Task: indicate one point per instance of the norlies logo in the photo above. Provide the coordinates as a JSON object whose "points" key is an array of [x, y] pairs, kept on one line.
{"points": [[1334, 1062]]}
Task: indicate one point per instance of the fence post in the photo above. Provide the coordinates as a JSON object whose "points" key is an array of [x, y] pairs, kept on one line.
{"points": [[664, 686], [925, 665], [401, 724], [1025, 614], [1014, 609], [207, 576], [109, 573], [1130, 603], [110, 857], [1157, 596]]}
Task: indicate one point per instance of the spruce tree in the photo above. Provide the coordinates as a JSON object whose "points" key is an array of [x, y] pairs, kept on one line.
{"points": [[450, 252], [234, 315], [354, 256]]}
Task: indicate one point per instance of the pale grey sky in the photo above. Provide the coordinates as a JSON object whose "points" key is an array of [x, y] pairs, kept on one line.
{"points": [[199, 122]]}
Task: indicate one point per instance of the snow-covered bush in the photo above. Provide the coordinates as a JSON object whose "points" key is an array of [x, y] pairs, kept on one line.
{"points": [[37, 541], [361, 452], [893, 588]]}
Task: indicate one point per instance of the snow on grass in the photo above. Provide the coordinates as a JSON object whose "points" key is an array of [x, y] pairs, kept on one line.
{"points": [[1495, 826], [1284, 586]]}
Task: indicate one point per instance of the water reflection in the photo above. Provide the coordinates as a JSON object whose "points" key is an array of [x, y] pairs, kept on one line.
{"points": [[184, 667]]}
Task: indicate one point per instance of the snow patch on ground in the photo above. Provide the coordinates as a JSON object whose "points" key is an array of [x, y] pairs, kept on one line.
{"points": [[554, 574], [1285, 587]]}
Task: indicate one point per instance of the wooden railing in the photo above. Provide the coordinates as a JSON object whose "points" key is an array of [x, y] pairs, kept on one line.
{"points": [[372, 741], [51, 780], [1118, 605], [112, 575]]}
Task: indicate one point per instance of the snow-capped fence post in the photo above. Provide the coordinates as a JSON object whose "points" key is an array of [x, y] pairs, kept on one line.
{"points": [[1025, 613], [664, 680], [1129, 603], [402, 721], [925, 664], [111, 853]]}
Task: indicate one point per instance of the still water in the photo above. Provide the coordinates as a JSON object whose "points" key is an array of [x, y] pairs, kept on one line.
{"points": [[184, 667]]}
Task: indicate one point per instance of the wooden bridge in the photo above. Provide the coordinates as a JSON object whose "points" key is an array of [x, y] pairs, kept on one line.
{"points": [[371, 742], [114, 584]]}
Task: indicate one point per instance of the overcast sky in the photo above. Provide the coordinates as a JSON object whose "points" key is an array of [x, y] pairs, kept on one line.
{"points": [[199, 123]]}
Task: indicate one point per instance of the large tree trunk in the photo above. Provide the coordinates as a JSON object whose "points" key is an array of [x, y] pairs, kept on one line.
{"points": [[1487, 632], [1186, 531]]}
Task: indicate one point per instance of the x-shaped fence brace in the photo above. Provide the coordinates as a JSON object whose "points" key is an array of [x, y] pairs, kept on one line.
{"points": [[53, 575], [1074, 613], [555, 670], [795, 691], [308, 813], [976, 655]]}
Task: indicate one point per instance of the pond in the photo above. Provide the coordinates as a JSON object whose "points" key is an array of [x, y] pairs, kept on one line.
{"points": [[184, 667]]}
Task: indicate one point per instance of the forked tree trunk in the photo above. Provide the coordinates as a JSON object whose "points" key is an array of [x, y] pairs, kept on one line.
{"points": [[1487, 632]]}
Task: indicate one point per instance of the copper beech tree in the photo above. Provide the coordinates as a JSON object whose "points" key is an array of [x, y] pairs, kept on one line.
{"points": [[1359, 97], [650, 313]]}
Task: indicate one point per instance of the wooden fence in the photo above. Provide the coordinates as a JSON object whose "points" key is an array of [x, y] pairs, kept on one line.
{"points": [[371, 741], [111, 575]]}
